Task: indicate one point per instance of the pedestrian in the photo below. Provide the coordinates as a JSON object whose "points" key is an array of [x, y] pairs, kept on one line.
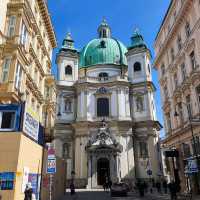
{"points": [[158, 186], [110, 184], [173, 190], [72, 188], [141, 189], [164, 184], [28, 192]]}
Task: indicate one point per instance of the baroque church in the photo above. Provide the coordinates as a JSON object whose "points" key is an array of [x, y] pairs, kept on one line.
{"points": [[106, 124]]}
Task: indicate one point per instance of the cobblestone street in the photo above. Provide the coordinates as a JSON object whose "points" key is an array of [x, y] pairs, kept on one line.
{"points": [[101, 195]]}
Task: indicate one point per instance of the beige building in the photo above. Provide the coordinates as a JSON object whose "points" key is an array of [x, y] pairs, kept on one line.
{"points": [[27, 92], [177, 49]]}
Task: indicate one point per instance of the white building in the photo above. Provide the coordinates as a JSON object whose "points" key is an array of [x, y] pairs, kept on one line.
{"points": [[106, 121]]}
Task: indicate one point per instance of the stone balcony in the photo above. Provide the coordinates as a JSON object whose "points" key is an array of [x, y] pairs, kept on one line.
{"points": [[109, 79]]}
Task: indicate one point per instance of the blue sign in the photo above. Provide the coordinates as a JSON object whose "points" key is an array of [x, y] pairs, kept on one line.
{"points": [[51, 165], [191, 166], [34, 180], [7, 180]]}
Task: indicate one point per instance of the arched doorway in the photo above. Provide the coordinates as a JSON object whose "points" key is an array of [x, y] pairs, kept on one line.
{"points": [[103, 170]]}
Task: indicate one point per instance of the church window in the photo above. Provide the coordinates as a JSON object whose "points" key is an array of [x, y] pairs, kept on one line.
{"points": [[143, 150], [68, 106], [102, 107], [139, 103], [137, 67], [103, 75], [68, 70]]}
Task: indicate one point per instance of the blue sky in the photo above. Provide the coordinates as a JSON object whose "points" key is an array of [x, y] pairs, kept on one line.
{"points": [[82, 18]]}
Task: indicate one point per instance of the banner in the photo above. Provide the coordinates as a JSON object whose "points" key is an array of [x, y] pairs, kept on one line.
{"points": [[31, 123]]}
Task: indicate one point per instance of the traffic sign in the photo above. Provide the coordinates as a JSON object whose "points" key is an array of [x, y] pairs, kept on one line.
{"points": [[51, 166]]}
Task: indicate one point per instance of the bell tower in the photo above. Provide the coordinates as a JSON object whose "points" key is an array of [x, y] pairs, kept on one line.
{"points": [[67, 62], [104, 30]]}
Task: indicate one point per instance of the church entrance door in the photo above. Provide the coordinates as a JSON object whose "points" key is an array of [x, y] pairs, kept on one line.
{"points": [[103, 170]]}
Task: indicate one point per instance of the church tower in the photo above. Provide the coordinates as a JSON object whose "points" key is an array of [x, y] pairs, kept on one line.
{"points": [[142, 105], [67, 62]]}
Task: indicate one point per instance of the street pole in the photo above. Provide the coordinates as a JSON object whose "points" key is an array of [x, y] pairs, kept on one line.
{"points": [[50, 187]]}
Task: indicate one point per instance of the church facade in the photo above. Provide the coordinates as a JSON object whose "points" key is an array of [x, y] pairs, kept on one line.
{"points": [[106, 124]]}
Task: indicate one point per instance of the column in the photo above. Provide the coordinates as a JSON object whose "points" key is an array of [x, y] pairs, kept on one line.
{"points": [[89, 171]]}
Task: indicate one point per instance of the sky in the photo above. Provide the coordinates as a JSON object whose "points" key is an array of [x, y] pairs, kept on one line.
{"points": [[82, 18]]}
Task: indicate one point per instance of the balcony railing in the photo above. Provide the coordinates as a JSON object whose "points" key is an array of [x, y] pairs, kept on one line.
{"points": [[102, 79]]}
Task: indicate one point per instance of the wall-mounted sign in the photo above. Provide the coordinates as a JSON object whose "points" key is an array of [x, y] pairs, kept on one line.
{"points": [[34, 179], [51, 162], [191, 166], [7, 180], [31, 123]]}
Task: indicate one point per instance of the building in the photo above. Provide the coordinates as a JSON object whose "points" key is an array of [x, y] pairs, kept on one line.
{"points": [[27, 93], [106, 120], [177, 48]]}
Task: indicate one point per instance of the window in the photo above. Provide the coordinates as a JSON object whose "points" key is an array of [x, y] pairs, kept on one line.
{"points": [[24, 34], [11, 26], [186, 150], [149, 68], [103, 75], [183, 71], [193, 60], [137, 67], [68, 106], [68, 70], [180, 112], [175, 80], [165, 92], [168, 120], [7, 120], [18, 76], [5, 69], [143, 149], [196, 145], [140, 103], [198, 94], [187, 29], [163, 69], [189, 106], [179, 42], [65, 151], [172, 54], [102, 107]]}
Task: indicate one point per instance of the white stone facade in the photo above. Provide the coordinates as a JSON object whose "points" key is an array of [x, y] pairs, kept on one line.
{"points": [[128, 144]]}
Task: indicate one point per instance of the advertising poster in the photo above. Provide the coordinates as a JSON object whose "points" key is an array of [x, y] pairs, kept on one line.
{"points": [[31, 123], [7, 180], [34, 179]]}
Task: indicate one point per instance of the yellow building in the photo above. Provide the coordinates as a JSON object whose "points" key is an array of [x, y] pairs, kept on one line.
{"points": [[177, 48], [27, 92]]}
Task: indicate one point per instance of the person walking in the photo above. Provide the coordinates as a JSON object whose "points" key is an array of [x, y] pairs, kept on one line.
{"points": [[158, 186], [72, 189], [28, 192], [164, 184], [173, 190]]}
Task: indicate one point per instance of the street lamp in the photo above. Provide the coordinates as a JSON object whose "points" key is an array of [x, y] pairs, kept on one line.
{"points": [[193, 140]]}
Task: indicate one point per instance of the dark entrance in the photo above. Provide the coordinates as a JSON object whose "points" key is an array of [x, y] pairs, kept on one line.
{"points": [[103, 170]]}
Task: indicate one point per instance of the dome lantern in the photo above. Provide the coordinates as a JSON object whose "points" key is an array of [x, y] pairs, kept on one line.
{"points": [[104, 30], [68, 42]]}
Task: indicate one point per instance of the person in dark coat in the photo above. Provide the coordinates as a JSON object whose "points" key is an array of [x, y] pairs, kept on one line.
{"points": [[72, 188], [173, 190], [141, 188], [28, 192], [158, 186], [164, 184]]}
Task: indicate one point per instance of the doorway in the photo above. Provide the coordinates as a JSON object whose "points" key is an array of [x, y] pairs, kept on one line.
{"points": [[103, 170]]}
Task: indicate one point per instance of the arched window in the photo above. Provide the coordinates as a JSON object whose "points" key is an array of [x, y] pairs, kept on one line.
{"points": [[103, 75], [137, 67], [140, 103], [102, 107], [68, 70]]}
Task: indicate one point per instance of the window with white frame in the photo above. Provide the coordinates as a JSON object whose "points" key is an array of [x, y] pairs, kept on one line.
{"points": [[24, 34], [18, 76], [168, 121], [5, 69], [189, 105], [11, 26], [7, 120]]}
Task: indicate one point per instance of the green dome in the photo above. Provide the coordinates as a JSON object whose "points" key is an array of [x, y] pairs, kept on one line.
{"points": [[103, 51]]}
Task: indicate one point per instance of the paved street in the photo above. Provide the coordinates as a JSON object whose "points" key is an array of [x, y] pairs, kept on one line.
{"points": [[101, 195]]}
